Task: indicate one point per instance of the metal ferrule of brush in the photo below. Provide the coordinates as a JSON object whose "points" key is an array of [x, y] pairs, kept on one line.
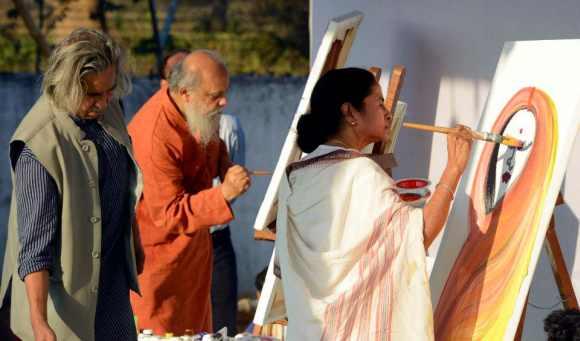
{"points": [[491, 137]]}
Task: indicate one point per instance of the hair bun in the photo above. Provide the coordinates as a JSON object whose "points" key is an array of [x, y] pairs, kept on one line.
{"points": [[332, 90], [311, 132]]}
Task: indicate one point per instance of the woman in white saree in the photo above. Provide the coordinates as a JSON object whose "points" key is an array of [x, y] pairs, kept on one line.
{"points": [[352, 255]]}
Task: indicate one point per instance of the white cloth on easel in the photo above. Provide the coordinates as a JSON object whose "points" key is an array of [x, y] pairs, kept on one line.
{"points": [[351, 253]]}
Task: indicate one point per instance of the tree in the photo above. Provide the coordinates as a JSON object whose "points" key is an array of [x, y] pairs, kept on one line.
{"points": [[75, 14], [33, 29], [219, 16]]}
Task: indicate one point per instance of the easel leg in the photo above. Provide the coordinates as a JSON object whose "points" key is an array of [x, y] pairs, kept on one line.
{"points": [[520, 330], [559, 270]]}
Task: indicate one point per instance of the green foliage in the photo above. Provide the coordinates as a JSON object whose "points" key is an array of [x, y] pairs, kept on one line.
{"points": [[256, 53], [117, 21], [263, 37], [17, 55]]}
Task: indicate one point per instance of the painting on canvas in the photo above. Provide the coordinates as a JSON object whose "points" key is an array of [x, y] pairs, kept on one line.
{"points": [[494, 235]]}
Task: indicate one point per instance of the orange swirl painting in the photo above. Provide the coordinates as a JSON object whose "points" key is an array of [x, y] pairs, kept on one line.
{"points": [[502, 231], [491, 246]]}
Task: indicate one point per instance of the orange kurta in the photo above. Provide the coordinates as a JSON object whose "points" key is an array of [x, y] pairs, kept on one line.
{"points": [[174, 214]]}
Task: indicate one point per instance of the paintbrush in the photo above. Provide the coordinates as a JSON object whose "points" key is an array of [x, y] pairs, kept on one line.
{"points": [[478, 135], [260, 173]]}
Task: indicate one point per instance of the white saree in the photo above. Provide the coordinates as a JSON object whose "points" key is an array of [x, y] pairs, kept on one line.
{"points": [[351, 253]]}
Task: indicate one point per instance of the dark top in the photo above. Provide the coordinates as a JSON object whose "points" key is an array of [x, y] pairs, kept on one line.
{"points": [[39, 210]]}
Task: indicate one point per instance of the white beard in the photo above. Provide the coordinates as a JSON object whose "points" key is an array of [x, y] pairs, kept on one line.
{"points": [[206, 124]]}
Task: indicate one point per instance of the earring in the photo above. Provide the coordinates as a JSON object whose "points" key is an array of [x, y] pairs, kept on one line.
{"points": [[353, 123]]}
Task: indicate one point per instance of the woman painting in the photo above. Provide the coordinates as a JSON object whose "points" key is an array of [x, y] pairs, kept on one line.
{"points": [[352, 255]]}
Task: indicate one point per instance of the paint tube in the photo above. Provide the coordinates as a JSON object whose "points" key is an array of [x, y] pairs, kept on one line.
{"points": [[146, 335], [213, 337]]}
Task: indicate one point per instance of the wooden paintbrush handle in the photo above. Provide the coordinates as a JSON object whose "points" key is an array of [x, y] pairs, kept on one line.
{"points": [[476, 135], [260, 173], [426, 127]]}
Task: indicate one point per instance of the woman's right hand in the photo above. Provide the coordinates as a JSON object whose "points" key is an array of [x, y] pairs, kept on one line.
{"points": [[459, 148], [436, 210]]}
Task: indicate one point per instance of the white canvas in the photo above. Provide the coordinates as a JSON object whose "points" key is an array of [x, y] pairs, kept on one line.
{"points": [[343, 28], [549, 68], [271, 305]]}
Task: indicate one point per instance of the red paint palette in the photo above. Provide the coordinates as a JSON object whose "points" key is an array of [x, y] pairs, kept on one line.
{"points": [[410, 196], [414, 191], [412, 183]]}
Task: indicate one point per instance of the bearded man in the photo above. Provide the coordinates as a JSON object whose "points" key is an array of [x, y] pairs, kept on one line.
{"points": [[175, 136], [70, 255]]}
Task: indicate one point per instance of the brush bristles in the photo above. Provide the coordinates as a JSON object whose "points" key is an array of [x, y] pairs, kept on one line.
{"points": [[512, 142]]}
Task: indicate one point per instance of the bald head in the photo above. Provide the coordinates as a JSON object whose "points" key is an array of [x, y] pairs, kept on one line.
{"points": [[205, 60], [197, 67], [170, 61]]}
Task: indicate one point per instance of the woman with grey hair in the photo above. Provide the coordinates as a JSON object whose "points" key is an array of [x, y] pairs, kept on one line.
{"points": [[71, 255]]}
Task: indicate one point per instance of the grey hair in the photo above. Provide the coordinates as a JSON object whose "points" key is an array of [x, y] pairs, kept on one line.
{"points": [[180, 78], [84, 51]]}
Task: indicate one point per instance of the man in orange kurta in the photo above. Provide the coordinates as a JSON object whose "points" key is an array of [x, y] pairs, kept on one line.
{"points": [[176, 146]]}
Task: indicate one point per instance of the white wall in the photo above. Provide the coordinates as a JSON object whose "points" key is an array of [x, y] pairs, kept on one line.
{"points": [[450, 49]]}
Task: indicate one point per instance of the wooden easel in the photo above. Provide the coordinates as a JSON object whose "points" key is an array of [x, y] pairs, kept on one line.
{"points": [[559, 270]]}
